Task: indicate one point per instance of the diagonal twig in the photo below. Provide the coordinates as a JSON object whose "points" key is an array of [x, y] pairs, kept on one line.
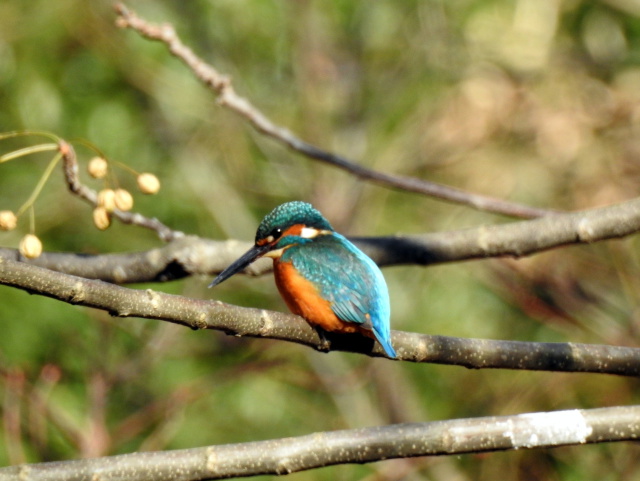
{"points": [[70, 167], [227, 97]]}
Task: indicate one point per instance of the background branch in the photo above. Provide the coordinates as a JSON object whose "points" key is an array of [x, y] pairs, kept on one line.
{"points": [[365, 445], [221, 85], [190, 255], [241, 321]]}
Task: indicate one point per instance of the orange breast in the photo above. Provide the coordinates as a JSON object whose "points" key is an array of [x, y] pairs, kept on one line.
{"points": [[303, 299]]}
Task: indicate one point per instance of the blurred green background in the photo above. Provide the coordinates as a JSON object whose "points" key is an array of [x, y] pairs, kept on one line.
{"points": [[533, 101]]}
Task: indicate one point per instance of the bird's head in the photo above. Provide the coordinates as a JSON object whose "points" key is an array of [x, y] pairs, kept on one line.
{"points": [[287, 225]]}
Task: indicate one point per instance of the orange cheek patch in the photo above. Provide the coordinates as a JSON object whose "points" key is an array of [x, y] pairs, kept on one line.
{"points": [[303, 299], [295, 230]]}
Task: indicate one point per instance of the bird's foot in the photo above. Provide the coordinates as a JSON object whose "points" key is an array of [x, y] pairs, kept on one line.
{"points": [[325, 343]]}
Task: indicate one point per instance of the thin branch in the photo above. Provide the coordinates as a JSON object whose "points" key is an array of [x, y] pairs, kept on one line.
{"points": [[354, 446], [180, 258], [221, 85], [516, 239], [241, 321], [190, 255], [70, 166]]}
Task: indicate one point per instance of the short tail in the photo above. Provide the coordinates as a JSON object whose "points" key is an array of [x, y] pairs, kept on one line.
{"points": [[386, 345]]}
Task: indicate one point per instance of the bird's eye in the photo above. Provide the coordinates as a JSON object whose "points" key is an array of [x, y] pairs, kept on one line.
{"points": [[273, 235]]}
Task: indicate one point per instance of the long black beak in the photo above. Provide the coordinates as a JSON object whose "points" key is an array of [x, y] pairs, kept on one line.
{"points": [[246, 259]]}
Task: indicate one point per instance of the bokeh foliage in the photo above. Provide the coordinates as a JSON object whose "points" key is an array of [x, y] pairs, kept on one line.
{"points": [[533, 101]]}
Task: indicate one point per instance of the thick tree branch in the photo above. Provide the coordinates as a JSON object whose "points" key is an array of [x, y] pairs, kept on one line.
{"points": [[191, 255], [240, 321], [221, 85], [365, 445]]}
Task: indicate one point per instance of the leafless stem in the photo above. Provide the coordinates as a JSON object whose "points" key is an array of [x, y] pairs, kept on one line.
{"points": [[354, 446], [70, 166], [240, 321], [221, 85]]}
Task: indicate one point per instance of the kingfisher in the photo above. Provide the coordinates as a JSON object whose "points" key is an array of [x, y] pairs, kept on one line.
{"points": [[320, 274]]}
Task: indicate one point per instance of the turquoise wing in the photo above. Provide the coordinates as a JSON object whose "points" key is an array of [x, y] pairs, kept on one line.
{"points": [[349, 280]]}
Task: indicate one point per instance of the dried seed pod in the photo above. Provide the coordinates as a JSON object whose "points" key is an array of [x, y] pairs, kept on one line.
{"points": [[98, 167], [107, 199], [148, 183], [8, 220], [123, 199], [101, 218], [30, 246]]}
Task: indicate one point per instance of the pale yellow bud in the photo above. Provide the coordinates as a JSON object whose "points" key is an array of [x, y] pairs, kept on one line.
{"points": [[123, 199], [30, 246], [107, 199], [101, 218], [8, 220], [98, 167], [148, 183]]}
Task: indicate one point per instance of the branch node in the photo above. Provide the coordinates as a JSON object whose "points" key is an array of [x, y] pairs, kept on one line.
{"points": [[200, 323], [77, 294], [153, 298], [267, 323], [212, 459], [585, 230]]}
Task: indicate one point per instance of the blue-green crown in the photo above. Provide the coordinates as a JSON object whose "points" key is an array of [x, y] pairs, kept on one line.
{"points": [[288, 214]]}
